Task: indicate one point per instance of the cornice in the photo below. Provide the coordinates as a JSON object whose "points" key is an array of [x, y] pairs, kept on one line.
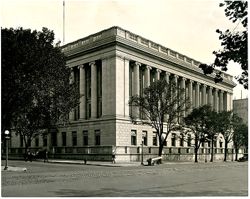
{"points": [[118, 36]]}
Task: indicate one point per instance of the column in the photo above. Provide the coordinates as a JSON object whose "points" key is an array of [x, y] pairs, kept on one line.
{"points": [[225, 101], [190, 95], [197, 94], [175, 95], [136, 80], [167, 74], [147, 76], [82, 92], [204, 94], [71, 81], [167, 77], [93, 90], [210, 96], [136, 85], [183, 95], [216, 99], [158, 74], [221, 100]]}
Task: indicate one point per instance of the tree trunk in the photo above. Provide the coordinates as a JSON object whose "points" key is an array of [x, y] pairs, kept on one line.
{"points": [[236, 154], [225, 154], [195, 154], [160, 150], [212, 152]]}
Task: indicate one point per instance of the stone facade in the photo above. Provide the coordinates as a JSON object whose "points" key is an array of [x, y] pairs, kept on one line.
{"points": [[240, 107], [112, 65]]}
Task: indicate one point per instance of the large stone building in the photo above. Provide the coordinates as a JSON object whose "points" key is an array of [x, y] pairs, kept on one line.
{"points": [[112, 65], [240, 107]]}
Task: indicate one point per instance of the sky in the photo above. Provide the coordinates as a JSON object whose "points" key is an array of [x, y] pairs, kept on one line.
{"points": [[186, 26]]}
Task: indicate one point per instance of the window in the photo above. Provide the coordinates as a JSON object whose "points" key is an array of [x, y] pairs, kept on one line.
{"points": [[54, 138], [215, 143], [37, 141], [63, 138], [145, 138], [85, 138], [221, 144], [130, 86], [165, 142], [99, 88], [45, 140], [154, 139], [189, 140], [88, 110], [188, 151], [21, 141], [182, 140], [74, 138], [133, 137], [179, 150], [202, 144], [88, 91], [97, 137], [209, 143], [173, 139]]}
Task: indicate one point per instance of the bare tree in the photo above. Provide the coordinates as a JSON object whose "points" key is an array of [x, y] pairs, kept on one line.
{"points": [[161, 106]]}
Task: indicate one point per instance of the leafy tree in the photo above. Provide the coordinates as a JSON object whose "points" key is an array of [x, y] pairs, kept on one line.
{"points": [[161, 106], [36, 93], [240, 135], [196, 123], [212, 129], [234, 43], [228, 121]]}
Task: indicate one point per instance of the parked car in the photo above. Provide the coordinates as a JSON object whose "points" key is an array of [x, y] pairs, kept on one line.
{"points": [[244, 158]]}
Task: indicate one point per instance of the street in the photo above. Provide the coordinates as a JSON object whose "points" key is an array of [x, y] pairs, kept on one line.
{"points": [[168, 179]]}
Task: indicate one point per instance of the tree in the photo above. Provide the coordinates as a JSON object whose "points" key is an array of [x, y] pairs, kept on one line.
{"points": [[161, 106], [212, 128], [196, 123], [36, 93], [234, 43], [227, 120], [240, 135]]}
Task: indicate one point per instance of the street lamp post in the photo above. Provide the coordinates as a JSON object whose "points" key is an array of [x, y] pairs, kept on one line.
{"points": [[7, 137], [142, 152]]}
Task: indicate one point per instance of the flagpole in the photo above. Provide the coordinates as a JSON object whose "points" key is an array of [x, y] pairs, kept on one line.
{"points": [[63, 21]]}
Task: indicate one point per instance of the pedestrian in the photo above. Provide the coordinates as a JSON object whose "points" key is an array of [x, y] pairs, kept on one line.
{"points": [[46, 158], [113, 155]]}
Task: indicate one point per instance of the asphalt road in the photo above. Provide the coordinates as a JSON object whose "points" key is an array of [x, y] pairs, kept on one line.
{"points": [[175, 179]]}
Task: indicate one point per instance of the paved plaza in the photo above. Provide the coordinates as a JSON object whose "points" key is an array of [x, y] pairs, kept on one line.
{"points": [[168, 179]]}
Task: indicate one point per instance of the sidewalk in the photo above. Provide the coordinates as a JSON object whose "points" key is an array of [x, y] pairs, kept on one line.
{"points": [[95, 163], [11, 168], [110, 164]]}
